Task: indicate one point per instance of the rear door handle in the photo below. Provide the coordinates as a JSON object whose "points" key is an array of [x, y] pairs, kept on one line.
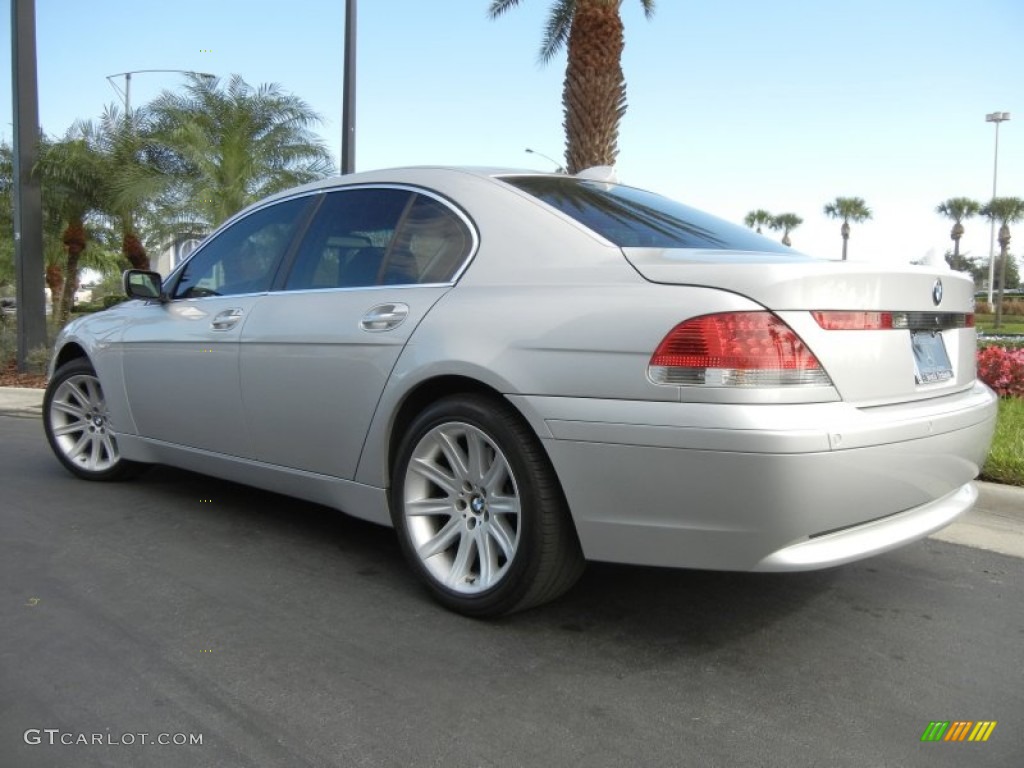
{"points": [[226, 320], [384, 317]]}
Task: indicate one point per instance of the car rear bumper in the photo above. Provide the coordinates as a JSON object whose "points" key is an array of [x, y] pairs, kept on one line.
{"points": [[761, 487]]}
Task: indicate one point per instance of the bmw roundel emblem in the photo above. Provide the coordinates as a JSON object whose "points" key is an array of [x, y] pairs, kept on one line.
{"points": [[937, 292]]}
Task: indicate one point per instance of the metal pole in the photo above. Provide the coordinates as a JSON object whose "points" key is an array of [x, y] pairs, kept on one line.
{"points": [[28, 207], [127, 92], [348, 98], [997, 118]]}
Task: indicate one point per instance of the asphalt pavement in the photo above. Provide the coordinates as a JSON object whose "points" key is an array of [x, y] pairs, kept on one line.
{"points": [[248, 629]]}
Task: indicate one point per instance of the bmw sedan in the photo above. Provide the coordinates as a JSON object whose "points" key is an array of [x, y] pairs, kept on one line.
{"points": [[520, 372]]}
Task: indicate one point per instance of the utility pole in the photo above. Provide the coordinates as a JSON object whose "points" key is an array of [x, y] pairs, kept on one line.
{"points": [[348, 95], [28, 207]]}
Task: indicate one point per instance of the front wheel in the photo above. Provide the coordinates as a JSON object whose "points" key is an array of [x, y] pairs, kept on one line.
{"points": [[77, 424], [479, 511]]}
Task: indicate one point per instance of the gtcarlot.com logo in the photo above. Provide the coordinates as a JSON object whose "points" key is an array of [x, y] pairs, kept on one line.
{"points": [[54, 736], [958, 730]]}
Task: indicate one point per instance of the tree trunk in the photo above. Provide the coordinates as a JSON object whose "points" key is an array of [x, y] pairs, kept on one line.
{"points": [[134, 251], [594, 95], [1004, 256], [67, 301], [845, 231], [55, 282], [74, 242]]}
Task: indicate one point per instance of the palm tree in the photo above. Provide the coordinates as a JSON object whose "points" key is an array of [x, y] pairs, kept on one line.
{"points": [[72, 183], [594, 91], [227, 146], [958, 209], [787, 222], [848, 209], [758, 219], [98, 162], [1006, 211]]}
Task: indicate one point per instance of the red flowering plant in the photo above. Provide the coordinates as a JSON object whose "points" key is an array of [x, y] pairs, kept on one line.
{"points": [[1003, 370]]}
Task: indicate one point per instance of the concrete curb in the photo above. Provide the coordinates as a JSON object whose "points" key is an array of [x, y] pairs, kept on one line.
{"points": [[25, 402]]}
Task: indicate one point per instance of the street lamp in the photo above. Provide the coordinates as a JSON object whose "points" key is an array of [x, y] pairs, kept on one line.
{"points": [[558, 166], [127, 93], [997, 118]]}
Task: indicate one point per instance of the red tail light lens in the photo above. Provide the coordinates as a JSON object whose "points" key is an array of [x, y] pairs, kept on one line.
{"points": [[735, 349], [854, 321]]}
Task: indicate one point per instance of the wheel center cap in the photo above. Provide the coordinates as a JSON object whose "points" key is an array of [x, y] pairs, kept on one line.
{"points": [[97, 420], [477, 504]]}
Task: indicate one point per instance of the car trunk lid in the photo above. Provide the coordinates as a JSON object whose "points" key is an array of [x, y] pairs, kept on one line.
{"points": [[927, 350]]}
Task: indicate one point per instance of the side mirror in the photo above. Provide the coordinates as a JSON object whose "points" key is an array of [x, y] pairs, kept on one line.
{"points": [[140, 284]]}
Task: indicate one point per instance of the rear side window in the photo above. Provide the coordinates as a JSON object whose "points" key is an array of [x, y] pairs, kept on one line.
{"points": [[633, 218], [369, 236]]}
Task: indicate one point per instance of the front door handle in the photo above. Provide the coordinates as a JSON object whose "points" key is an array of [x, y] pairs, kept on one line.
{"points": [[384, 317], [226, 320]]}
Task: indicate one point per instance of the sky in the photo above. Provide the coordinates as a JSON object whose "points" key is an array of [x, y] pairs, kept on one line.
{"points": [[733, 105]]}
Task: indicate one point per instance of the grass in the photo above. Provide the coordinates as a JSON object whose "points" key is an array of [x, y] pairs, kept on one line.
{"points": [[1011, 324], [1005, 463]]}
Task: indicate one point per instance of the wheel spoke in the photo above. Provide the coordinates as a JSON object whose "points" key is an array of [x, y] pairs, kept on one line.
{"points": [[108, 446], [96, 452], [476, 456], [487, 560], [436, 475], [79, 446], [453, 453], [92, 392], [421, 507], [503, 505], [69, 428], [463, 562], [442, 540], [503, 536], [69, 408], [495, 477]]}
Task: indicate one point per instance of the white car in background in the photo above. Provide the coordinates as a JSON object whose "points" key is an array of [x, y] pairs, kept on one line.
{"points": [[523, 371]]}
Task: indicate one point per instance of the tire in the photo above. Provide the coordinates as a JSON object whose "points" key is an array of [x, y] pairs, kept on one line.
{"points": [[479, 512], [77, 427]]}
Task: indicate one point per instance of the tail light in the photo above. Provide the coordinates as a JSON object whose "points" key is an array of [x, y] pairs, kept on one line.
{"points": [[735, 349], [843, 320]]}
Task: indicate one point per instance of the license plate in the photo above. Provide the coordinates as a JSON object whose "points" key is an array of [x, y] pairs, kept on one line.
{"points": [[931, 362]]}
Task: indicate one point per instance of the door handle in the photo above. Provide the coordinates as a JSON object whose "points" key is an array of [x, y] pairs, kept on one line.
{"points": [[226, 320], [384, 317]]}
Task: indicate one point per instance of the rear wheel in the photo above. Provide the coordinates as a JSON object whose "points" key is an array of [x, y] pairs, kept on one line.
{"points": [[77, 424], [479, 511]]}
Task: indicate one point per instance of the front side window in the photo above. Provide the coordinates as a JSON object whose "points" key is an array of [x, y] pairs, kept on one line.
{"points": [[371, 236], [244, 257], [631, 217]]}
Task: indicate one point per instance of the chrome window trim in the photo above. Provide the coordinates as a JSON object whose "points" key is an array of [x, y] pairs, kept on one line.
{"points": [[395, 286], [438, 197], [245, 213]]}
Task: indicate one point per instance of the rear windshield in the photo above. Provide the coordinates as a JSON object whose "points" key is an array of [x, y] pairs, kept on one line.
{"points": [[633, 218]]}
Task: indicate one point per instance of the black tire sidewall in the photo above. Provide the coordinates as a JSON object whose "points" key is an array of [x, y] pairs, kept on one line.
{"points": [[504, 428], [77, 367]]}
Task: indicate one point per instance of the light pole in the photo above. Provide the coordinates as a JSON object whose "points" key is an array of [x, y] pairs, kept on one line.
{"points": [[997, 118], [348, 92], [558, 166], [127, 93]]}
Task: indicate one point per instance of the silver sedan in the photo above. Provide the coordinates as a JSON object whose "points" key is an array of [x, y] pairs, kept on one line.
{"points": [[521, 372]]}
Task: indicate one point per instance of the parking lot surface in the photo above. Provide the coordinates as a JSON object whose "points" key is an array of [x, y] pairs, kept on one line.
{"points": [[286, 634]]}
